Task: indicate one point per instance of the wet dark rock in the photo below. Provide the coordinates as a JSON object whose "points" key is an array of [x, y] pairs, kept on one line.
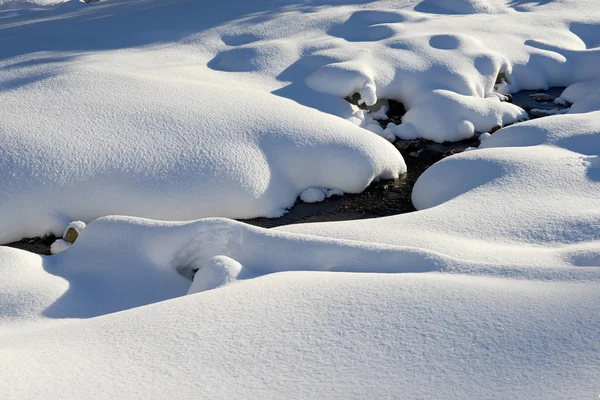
{"points": [[355, 99], [529, 100], [403, 144], [500, 78], [496, 128]]}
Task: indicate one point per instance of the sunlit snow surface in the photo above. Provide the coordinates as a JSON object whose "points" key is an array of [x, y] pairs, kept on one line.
{"points": [[178, 110]]}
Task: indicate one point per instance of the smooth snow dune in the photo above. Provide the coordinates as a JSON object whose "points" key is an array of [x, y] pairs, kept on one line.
{"points": [[122, 262], [179, 150], [302, 335], [26, 289]]}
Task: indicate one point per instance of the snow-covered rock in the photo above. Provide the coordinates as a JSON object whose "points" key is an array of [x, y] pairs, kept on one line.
{"points": [[312, 195]]}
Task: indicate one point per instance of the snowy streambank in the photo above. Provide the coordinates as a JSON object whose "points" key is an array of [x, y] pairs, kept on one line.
{"points": [[182, 154], [154, 132], [515, 282], [176, 110], [190, 120]]}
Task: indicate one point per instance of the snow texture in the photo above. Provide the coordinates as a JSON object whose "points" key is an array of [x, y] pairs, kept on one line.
{"points": [[175, 111], [59, 245], [312, 195]]}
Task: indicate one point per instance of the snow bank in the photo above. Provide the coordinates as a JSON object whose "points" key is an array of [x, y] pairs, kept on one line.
{"points": [[26, 288], [303, 335], [583, 96], [527, 196], [104, 142]]}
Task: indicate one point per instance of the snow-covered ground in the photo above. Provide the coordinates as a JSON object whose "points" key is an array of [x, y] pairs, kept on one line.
{"points": [[178, 110]]}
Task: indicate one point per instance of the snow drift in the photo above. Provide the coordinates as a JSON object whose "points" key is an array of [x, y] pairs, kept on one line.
{"points": [[169, 149]]}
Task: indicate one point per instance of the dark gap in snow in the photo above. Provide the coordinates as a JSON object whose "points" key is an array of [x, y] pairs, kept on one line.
{"points": [[380, 199], [395, 109], [387, 198], [38, 245]]}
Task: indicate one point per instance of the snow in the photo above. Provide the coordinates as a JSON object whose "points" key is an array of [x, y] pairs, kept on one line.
{"points": [[300, 335], [381, 113], [79, 225], [94, 84], [484, 136], [217, 272], [544, 112], [168, 112], [312, 195], [334, 192], [583, 96], [59, 246], [176, 156]]}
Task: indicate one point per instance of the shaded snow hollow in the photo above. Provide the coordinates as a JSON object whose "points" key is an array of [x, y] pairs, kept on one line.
{"points": [[175, 110]]}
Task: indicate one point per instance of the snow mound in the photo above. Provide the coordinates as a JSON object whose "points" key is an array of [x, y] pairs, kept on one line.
{"points": [[174, 157], [218, 271], [26, 288], [583, 96], [312, 195], [59, 246]]}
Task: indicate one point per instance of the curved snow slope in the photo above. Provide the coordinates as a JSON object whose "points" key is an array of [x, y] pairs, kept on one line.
{"points": [[154, 132], [302, 335], [442, 68], [167, 148], [528, 196]]}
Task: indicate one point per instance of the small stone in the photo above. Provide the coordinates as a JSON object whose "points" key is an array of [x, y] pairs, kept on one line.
{"points": [[356, 100], [71, 235], [413, 154], [31, 241], [501, 78], [496, 128], [542, 97], [403, 145]]}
